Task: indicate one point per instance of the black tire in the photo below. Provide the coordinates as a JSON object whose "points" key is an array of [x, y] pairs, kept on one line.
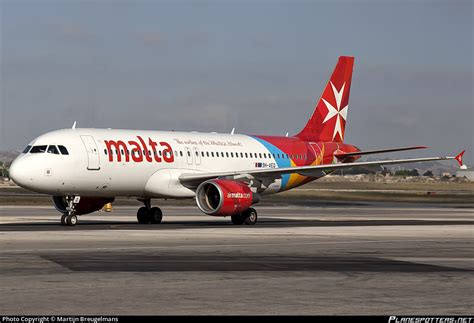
{"points": [[155, 215], [250, 216], [142, 216], [71, 220], [237, 219], [63, 219]]}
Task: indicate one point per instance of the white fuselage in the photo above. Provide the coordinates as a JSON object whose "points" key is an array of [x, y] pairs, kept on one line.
{"points": [[92, 166]]}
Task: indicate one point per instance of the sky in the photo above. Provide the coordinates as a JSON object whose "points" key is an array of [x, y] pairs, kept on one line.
{"points": [[258, 66]]}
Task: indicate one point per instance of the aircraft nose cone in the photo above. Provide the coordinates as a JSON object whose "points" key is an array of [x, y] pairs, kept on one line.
{"points": [[13, 171], [17, 172]]}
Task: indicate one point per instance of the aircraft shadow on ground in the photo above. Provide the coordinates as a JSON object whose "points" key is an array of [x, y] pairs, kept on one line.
{"points": [[185, 261]]}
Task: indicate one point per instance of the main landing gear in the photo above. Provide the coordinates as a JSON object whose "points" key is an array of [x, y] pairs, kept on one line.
{"points": [[69, 218], [148, 214], [248, 217]]}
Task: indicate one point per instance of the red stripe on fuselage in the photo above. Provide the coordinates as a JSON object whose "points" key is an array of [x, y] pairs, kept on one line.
{"points": [[293, 146]]}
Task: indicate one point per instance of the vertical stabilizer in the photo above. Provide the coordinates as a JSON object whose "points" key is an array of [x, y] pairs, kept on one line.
{"points": [[329, 118]]}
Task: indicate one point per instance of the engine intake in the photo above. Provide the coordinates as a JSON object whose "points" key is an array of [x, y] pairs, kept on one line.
{"points": [[224, 197], [86, 204]]}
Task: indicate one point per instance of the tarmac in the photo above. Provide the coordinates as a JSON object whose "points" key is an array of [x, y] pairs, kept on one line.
{"points": [[332, 259]]}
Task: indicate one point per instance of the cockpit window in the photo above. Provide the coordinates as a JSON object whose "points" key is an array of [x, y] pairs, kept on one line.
{"points": [[38, 149], [63, 150], [27, 149], [53, 150]]}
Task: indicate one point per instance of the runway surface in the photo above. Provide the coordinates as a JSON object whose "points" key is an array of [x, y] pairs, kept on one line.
{"points": [[342, 259]]}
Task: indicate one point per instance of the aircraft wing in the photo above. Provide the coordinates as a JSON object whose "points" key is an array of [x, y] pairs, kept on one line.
{"points": [[194, 179]]}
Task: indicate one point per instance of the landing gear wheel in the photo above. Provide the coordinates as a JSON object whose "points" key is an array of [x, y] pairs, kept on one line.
{"points": [[71, 220], [237, 219], [250, 216], [155, 215], [142, 216], [63, 219]]}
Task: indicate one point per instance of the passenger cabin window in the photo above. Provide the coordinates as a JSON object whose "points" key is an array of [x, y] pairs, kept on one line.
{"points": [[27, 149], [53, 150], [38, 149], [63, 150]]}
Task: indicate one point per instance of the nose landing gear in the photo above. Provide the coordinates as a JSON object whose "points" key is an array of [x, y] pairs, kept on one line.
{"points": [[148, 214], [70, 218]]}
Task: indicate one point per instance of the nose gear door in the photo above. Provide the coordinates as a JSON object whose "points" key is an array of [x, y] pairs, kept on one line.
{"points": [[93, 161]]}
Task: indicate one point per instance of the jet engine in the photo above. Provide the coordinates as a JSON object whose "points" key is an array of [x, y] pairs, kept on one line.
{"points": [[220, 197], [86, 204]]}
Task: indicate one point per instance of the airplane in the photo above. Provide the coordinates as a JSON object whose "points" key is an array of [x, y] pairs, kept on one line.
{"points": [[85, 169]]}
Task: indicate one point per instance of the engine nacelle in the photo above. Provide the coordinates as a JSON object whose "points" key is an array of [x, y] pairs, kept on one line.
{"points": [[224, 197], [86, 204]]}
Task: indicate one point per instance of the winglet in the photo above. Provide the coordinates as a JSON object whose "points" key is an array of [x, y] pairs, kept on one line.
{"points": [[232, 132], [459, 159], [74, 125]]}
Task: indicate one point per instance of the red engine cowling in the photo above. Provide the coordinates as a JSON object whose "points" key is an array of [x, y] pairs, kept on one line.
{"points": [[86, 204], [224, 197]]}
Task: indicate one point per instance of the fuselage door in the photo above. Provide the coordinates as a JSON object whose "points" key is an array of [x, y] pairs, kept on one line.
{"points": [[93, 161], [197, 155], [189, 156]]}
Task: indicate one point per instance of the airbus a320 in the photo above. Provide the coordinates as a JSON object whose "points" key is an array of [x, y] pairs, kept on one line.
{"points": [[84, 169]]}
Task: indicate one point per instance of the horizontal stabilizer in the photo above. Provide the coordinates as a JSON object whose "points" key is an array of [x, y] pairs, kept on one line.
{"points": [[380, 151]]}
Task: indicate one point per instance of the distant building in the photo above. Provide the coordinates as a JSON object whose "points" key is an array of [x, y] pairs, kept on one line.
{"points": [[467, 173]]}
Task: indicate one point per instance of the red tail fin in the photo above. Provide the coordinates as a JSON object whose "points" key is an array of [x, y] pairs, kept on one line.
{"points": [[328, 121]]}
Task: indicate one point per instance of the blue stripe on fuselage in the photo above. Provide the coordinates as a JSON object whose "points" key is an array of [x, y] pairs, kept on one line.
{"points": [[281, 162]]}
